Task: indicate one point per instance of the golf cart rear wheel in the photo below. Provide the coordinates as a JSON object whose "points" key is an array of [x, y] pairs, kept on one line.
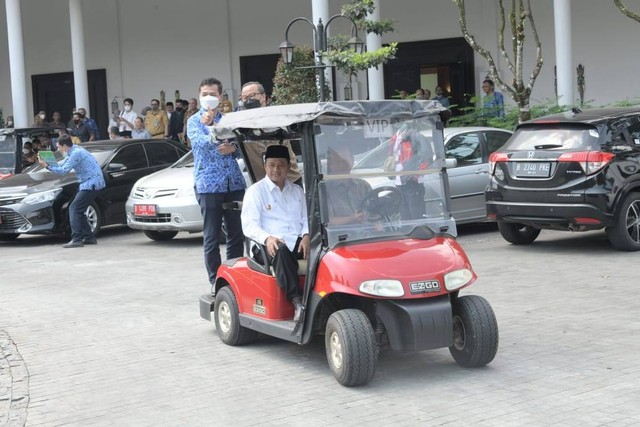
{"points": [[351, 347], [475, 332], [159, 236], [518, 234], [227, 320]]}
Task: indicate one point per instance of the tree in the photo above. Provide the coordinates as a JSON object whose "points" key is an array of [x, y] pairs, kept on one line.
{"points": [[626, 11], [519, 15], [296, 82], [350, 62]]}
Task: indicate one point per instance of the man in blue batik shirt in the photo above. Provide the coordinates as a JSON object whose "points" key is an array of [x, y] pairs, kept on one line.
{"points": [[217, 177], [91, 179]]}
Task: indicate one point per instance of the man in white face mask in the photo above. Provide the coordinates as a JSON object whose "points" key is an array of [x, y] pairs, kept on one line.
{"points": [[217, 177]]}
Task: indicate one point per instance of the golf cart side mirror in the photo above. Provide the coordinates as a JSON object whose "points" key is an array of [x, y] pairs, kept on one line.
{"points": [[450, 163], [115, 167]]}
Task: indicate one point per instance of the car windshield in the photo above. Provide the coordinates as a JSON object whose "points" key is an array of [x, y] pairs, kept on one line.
{"points": [[552, 138], [397, 185]]}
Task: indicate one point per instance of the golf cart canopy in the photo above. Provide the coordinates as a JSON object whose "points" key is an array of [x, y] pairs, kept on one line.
{"points": [[282, 117], [11, 143]]}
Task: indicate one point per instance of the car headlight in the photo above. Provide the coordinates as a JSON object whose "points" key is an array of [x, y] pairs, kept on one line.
{"points": [[43, 196], [456, 279], [382, 288], [185, 192]]}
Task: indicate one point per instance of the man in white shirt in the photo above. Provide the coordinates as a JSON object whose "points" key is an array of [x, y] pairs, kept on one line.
{"points": [[274, 213]]}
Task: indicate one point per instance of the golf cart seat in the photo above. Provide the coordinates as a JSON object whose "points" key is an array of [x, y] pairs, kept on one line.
{"points": [[258, 251]]}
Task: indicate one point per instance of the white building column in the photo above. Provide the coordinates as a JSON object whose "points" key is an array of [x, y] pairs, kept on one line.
{"points": [[320, 10], [80, 81], [376, 76], [16, 65], [564, 52]]}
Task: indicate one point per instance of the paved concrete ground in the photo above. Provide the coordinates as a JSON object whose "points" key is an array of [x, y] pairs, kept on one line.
{"points": [[111, 335]]}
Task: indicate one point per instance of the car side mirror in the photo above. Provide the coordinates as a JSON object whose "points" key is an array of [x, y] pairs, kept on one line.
{"points": [[116, 167], [450, 163]]}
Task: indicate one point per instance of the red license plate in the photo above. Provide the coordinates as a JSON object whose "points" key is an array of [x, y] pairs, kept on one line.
{"points": [[145, 210]]}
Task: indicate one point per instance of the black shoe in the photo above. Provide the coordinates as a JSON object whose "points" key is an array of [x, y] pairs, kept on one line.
{"points": [[73, 244], [90, 241]]}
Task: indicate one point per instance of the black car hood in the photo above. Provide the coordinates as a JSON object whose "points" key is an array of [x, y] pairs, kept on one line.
{"points": [[35, 182]]}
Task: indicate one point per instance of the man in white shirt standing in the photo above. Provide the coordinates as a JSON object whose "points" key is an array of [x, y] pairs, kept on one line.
{"points": [[274, 213]]}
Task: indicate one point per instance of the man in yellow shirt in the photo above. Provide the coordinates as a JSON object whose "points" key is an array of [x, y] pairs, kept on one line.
{"points": [[156, 121]]}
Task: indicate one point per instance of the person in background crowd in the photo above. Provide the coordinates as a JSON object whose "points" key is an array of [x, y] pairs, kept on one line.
{"points": [[218, 179], [492, 101], [139, 131], [156, 121], [225, 105], [193, 108], [176, 121], [441, 97], [57, 120], [90, 124], [114, 133], [39, 120], [89, 173], [144, 111], [403, 94], [168, 108], [9, 122], [29, 156], [78, 129], [124, 120], [420, 94]]}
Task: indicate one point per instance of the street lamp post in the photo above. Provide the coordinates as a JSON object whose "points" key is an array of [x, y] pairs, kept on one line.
{"points": [[319, 45]]}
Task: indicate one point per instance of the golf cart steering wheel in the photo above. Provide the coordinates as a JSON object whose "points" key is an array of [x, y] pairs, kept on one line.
{"points": [[382, 203]]}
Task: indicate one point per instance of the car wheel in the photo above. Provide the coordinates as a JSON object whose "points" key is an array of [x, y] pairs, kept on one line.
{"points": [[8, 237], [94, 217], [351, 347], [475, 332], [518, 234], [227, 320], [159, 236], [625, 233]]}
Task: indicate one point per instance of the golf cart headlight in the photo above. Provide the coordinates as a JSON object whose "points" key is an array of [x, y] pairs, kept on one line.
{"points": [[44, 196], [382, 288], [185, 192], [457, 279]]}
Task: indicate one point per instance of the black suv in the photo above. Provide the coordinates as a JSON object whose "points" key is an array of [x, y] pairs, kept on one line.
{"points": [[575, 171]]}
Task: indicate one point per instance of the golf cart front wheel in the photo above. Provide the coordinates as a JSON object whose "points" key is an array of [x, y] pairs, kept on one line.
{"points": [[475, 332], [351, 347], [228, 321]]}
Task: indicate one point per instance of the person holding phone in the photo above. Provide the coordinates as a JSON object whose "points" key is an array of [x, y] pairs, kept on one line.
{"points": [[218, 179]]}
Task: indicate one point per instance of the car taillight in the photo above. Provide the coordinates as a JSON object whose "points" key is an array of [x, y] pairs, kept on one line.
{"points": [[590, 161], [495, 158]]}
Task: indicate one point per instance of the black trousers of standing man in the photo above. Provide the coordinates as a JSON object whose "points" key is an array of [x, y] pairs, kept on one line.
{"points": [[285, 265]]}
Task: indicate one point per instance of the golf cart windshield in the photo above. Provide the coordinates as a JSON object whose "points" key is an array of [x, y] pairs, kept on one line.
{"points": [[395, 192], [403, 189]]}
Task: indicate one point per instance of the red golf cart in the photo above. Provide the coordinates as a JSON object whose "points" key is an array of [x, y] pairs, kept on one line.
{"points": [[393, 275]]}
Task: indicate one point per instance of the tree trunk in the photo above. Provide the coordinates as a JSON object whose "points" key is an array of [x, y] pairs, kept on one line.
{"points": [[524, 109]]}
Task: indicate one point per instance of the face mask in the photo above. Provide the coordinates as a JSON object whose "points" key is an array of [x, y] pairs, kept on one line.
{"points": [[251, 103], [127, 108], [25, 150], [76, 121], [209, 101], [178, 109], [43, 116]]}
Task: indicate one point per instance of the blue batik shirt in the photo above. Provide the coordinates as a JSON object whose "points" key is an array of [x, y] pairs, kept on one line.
{"points": [[87, 168], [212, 172], [93, 127]]}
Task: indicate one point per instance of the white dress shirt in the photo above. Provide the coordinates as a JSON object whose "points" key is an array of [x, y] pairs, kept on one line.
{"points": [[268, 211]]}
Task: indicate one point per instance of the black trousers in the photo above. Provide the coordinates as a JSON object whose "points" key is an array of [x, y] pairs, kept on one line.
{"points": [[285, 265]]}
